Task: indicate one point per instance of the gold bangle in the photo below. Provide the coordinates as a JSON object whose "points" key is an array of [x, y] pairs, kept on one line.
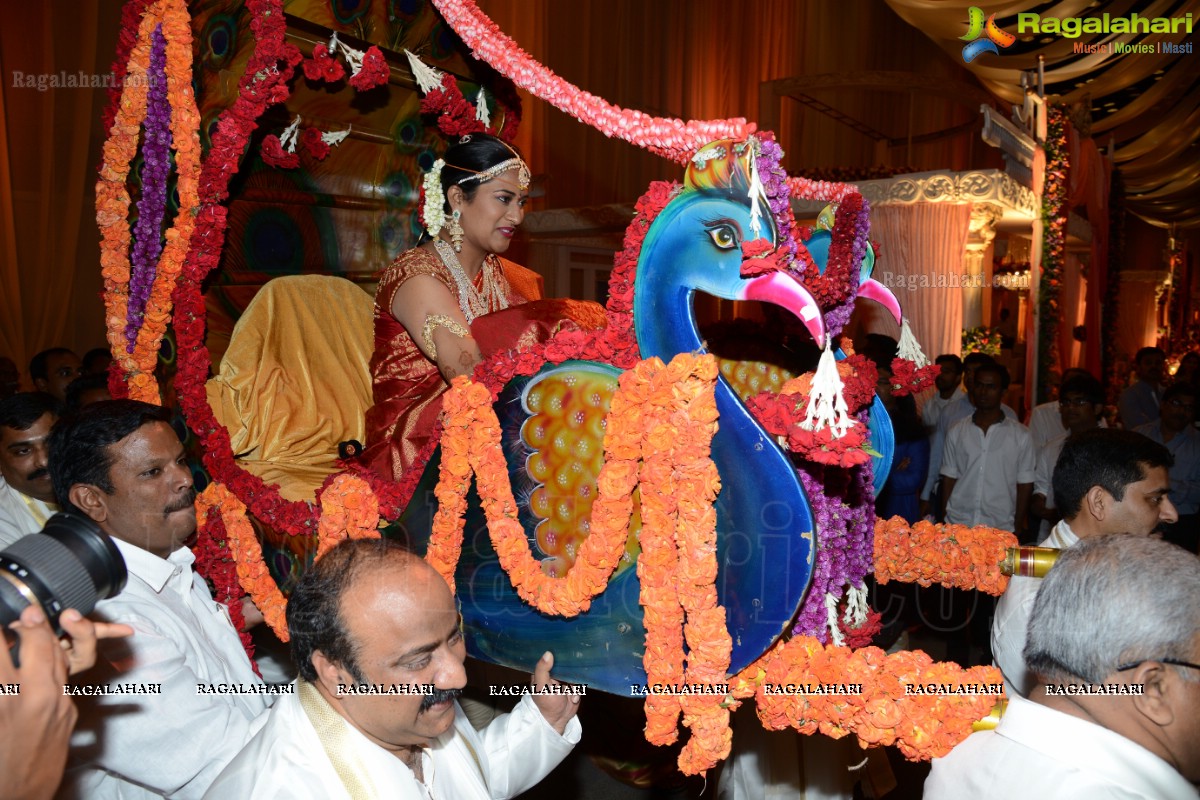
{"points": [[435, 321]]}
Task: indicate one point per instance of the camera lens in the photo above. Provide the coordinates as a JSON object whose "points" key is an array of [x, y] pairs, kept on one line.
{"points": [[70, 564]]}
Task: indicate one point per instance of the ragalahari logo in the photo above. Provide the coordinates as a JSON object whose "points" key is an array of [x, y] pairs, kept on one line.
{"points": [[992, 35]]}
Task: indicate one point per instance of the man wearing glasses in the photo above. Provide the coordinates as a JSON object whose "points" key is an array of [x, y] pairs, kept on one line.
{"points": [[1105, 481], [1080, 403], [1114, 641], [1174, 430]]}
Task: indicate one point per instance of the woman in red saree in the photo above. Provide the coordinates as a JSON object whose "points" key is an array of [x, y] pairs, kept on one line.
{"points": [[427, 299]]}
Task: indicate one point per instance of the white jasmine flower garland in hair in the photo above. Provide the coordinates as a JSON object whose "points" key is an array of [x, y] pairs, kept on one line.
{"points": [[433, 214]]}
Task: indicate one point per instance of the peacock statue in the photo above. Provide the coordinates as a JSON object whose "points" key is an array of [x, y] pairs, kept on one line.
{"points": [[795, 490], [552, 426]]}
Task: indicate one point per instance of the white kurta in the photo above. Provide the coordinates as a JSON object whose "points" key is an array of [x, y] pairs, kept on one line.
{"points": [[1037, 752], [17, 519], [1045, 423], [175, 743], [1011, 623], [1043, 480], [286, 760]]}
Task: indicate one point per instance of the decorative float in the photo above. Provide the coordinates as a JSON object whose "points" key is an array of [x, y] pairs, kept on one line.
{"points": [[718, 536]]}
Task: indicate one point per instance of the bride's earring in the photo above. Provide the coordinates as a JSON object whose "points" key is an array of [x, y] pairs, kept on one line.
{"points": [[456, 230]]}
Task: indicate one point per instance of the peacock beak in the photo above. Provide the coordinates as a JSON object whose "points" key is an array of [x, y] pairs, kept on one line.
{"points": [[781, 289], [874, 290]]}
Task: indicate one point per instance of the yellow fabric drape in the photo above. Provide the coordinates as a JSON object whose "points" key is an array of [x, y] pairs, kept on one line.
{"points": [[294, 382]]}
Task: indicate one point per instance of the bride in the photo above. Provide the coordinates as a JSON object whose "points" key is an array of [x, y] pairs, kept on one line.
{"points": [[427, 299]]}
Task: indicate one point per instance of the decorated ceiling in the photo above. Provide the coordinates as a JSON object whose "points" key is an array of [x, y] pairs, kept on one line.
{"points": [[1136, 84]]}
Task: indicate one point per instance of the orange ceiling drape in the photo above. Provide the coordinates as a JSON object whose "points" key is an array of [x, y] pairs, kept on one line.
{"points": [[707, 60]]}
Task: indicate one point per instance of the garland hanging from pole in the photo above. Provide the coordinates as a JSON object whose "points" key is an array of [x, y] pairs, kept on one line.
{"points": [[1054, 247]]}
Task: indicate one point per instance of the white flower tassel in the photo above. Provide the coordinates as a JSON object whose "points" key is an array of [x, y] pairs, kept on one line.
{"points": [[481, 108], [755, 192], [835, 633], [354, 58], [291, 133], [910, 348], [856, 607], [826, 405], [426, 76], [334, 138]]}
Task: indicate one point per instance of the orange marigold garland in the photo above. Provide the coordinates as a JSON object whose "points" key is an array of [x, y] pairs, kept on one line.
{"points": [[923, 707], [471, 443], [349, 510], [956, 556], [709, 644], [664, 415], [112, 195], [658, 563], [245, 551]]}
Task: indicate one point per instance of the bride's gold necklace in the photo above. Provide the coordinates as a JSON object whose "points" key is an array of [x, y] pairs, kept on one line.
{"points": [[472, 302]]}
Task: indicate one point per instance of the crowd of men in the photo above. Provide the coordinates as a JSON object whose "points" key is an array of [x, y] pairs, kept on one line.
{"points": [[175, 708], [166, 710], [985, 468]]}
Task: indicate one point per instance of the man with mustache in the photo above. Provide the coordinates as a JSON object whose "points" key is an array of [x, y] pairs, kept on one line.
{"points": [[370, 615], [121, 463], [26, 496]]}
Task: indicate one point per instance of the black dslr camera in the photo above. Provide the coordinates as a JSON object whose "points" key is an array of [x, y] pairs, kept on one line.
{"points": [[70, 564]]}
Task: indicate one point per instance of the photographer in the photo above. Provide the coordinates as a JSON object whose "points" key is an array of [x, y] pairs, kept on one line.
{"points": [[36, 722]]}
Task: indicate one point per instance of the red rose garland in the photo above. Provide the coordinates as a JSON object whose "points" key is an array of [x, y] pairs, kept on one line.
{"points": [[907, 378], [322, 66], [264, 83]]}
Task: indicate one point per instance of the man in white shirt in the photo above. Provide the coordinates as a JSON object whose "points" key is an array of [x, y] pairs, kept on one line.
{"points": [[1106, 481], [1045, 422], [26, 494], [945, 389], [959, 408], [369, 614], [184, 697], [1115, 644], [1079, 406], [988, 462]]}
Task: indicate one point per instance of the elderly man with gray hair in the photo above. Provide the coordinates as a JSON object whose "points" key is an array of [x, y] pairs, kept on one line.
{"points": [[1114, 642]]}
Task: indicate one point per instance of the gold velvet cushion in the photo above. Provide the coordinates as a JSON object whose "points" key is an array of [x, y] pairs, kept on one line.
{"points": [[294, 381]]}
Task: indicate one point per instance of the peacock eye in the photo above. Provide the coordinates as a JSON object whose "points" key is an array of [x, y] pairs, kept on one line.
{"points": [[723, 236]]}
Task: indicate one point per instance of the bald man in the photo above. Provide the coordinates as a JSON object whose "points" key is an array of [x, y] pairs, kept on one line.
{"points": [[371, 614]]}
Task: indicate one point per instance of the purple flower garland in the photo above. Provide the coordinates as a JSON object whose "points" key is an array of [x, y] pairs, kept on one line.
{"points": [[843, 505], [842, 501], [152, 205], [774, 180]]}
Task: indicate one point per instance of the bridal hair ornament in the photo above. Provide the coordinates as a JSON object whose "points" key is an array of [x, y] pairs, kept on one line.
{"points": [[433, 213]]}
